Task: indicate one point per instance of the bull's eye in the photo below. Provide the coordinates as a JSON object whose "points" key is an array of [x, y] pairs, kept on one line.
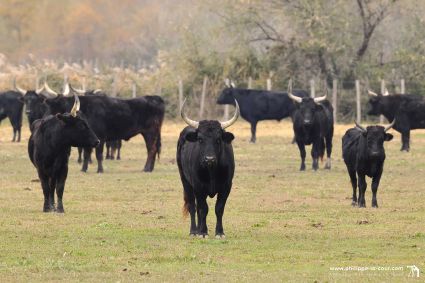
{"points": [[200, 140]]}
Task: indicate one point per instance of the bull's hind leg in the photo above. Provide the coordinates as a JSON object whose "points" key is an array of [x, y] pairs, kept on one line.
{"points": [[52, 184], [119, 144], [19, 135], [353, 179], [405, 141], [99, 157], [219, 211], [301, 147], [315, 148], [80, 151], [151, 146], [253, 132], [190, 206]]}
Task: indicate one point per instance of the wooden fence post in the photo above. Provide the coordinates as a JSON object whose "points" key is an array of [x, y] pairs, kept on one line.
{"points": [[204, 91], [37, 81], [381, 117], [83, 84], [250, 83], [65, 80], [133, 90], [334, 99], [358, 102], [312, 90], [269, 84], [402, 87], [114, 85], [180, 93]]}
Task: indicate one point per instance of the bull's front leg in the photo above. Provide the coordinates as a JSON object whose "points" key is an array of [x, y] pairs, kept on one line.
{"points": [[202, 207], [60, 187], [301, 147], [99, 156], [253, 132], [328, 140], [219, 211], [315, 155], [375, 184], [353, 179], [362, 190], [86, 155], [46, 192]]}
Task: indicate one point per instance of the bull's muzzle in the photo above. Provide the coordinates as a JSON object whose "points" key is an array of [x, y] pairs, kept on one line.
{"points": [[210, 160]]}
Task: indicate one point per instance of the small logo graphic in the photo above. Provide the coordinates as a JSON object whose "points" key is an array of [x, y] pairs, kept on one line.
{"points": [[414, 271]]}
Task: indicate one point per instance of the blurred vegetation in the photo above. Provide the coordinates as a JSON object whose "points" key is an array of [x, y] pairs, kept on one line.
{"points": [[154, 44]]}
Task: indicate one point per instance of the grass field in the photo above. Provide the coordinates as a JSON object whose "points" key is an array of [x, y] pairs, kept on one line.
{"points": [[280, 224]]}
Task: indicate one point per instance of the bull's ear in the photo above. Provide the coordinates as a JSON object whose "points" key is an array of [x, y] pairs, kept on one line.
{"points": [[62, 117], [388, 137], [191, 136], [227, 137]]}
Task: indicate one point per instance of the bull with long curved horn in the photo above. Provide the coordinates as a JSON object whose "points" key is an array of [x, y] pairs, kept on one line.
{"points": [[206, 165]]}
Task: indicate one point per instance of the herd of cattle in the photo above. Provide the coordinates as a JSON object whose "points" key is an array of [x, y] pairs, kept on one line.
{"points": [[91, 119]]}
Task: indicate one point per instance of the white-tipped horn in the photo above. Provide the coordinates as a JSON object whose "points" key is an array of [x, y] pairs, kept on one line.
{"points": [[227, 82], [49, 90], [385, 92], [232, 84], [389, 126], [21, 90], [319, 99], [188, 121], [66, 89], [79, 91], [235, 117], [76, 106], [39, 90], [97, 90], [291, 96], [372, 93], [360, 127]]}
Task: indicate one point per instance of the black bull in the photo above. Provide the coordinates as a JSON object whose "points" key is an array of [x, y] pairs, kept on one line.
{"points": [[258, 105], [407, 110], [313, 124], [11, 106], [115, 118]]}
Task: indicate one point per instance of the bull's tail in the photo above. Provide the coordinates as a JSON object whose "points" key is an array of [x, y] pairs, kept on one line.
{"points": [[186, 204], [322, 149]]}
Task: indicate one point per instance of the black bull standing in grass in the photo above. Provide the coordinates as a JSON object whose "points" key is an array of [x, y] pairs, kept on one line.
{"points": [[313, 124], [408, 110], [11, 106], [114, 118], [206, 165], [49, 147], [258, 105], [363, 152]]}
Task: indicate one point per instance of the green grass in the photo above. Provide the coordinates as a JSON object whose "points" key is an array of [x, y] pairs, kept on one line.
{"points": [[280, 224]]}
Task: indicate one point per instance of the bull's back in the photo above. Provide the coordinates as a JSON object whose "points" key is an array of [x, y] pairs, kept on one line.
{"points": [[350, 142]]}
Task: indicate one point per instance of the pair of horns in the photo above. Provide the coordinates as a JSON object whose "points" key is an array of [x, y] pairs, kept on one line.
{"points": [[299, 99], [24, 91], [195, 124], [81, 91], [362, 129], [371, 93], [229, 83]]}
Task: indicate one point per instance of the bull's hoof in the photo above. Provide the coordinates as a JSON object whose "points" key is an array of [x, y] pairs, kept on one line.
{"points": [[60, 210], [100, 170], [302, 168], [79, 161], [84, 170], [374, 205], [203, 236], [354, 203], [118, 158], [192, 234], [148, 170], [220, 236], [48, 209]]}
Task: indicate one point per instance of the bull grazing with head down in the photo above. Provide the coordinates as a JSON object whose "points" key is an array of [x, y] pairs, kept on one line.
{"points": [[206, 165], [114, 118], [258, 105], [11, 106], [364, 154], [49, 147], [408, 110], [313, 124]]}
